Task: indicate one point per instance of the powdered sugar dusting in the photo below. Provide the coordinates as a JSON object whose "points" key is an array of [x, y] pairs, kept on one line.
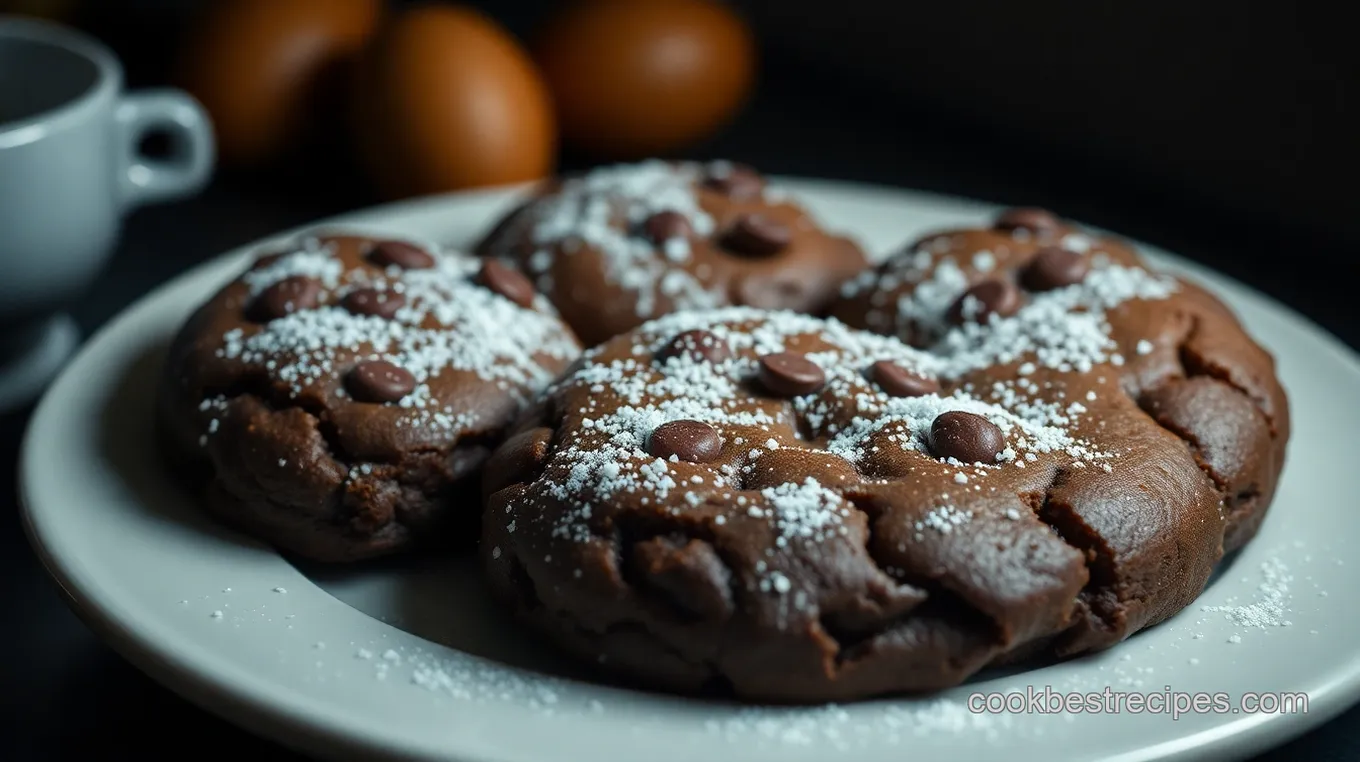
{"points": [[1149, 662], [448, 324], [1270, 607], [835, 726], [944, 519], [310, 258], [806, 511], [1064, 329], [906, 422], [479, 682], [603, 449], [604, 210]]}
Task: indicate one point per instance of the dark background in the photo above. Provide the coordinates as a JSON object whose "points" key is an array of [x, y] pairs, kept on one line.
{"points": [[1222, 132]]}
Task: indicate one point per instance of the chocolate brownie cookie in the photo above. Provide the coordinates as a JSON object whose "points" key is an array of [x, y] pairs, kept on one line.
{"points": [[788, 509], [340, 397], [626, 243], [1179, 352]]}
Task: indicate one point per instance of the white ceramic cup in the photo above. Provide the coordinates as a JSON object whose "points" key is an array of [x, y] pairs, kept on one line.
{"points": [[70, 168]]}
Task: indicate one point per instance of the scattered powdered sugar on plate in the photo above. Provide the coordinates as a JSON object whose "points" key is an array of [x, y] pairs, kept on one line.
{"points": [[461, 677], [892, 723], [471, 679], [478, 681], [1271, 606]]}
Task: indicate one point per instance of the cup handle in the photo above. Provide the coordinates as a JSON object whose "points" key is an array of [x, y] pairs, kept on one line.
{"points": [[186, 170]]}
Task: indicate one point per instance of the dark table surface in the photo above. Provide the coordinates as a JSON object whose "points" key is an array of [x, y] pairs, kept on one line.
{"points": [[63, 692]]}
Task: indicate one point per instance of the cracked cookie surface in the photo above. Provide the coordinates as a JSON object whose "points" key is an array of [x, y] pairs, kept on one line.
{"points": [[340, 397], [1182, 356], [623, 244], [789, 509]]}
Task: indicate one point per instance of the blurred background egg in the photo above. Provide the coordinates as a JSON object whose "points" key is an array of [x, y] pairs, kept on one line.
{"points": [[271, 71], [446, 99], [631, 78]]}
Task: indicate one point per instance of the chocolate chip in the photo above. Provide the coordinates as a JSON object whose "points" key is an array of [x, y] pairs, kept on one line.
{"points": [[990, 297], [401, 254], [289, 295], [738, 181], [663, 226], [967, 437], [700, 346], [693, 441], [1028, 218], [790, 374], [897, 381], [507, 281], [1053, 267], [371, 301], [379, 381], [756, 235]]}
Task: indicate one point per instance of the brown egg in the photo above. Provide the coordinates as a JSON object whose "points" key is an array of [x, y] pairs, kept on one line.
{"points": [[631, 79], [268, 70], [446, 99]]}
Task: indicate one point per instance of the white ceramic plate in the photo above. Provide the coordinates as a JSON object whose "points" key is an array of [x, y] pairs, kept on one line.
{"points": [[412, 661]]}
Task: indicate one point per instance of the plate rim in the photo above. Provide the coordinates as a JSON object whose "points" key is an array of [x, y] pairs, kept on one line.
{"points": [[295, 728]]}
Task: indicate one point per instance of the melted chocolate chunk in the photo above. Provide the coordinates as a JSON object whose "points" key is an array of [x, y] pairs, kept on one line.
{"points": [[371, 301], [990, 297], [1028, 218], [739, 182], [897, 381], [286, 297], [663, 226], [967, 437], [508, 282], [757, 236], [790, 374], [693, 441], [379, 381], [404, 255], [1054, 267], [698, 345]]}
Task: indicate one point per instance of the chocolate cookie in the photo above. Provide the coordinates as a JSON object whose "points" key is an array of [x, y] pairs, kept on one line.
{"points": [[624, 244], [1178, 351], [788, 509], [340, 397]]}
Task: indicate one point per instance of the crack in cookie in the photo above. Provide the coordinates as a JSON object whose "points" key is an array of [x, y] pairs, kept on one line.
{"points": [[1005, 476]]}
